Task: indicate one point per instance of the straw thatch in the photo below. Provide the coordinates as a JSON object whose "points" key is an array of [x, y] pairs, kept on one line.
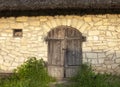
{"points": [[59, 4]]}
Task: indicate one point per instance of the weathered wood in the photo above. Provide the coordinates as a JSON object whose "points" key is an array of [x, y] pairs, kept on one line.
{"points": [[64, 51], [62, 38], [56, 71]]}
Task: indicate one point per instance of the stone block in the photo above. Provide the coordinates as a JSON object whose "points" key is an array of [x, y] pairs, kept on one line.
{"points": [[115, 35], [95, 19], [16, 53], [98, 68], [10, 56], [94, 61], [106, 22], [117, 70], [59, 17], [74, 22], [33, 50], [118, 54], [69, 22], [85, 61], [109, 67], [2, 67], [64, 21], [112, 28], [22, 19], [53, 23], [3, 53], [111, 56], [89, 44], [1, 60], [88, 19], [101, 61], [58, 21], [114, 66], [83, 45], [49, 24], [90, 38], [117, 60], [103, 28], [101, 16], [83, 28], [19, 60], [16, 26], [107, 62], [87, 49], [34, 18], [108, 33], [43, 19], [11, 20], [95, 48], [91, 55], [95, 32], [14, 64], [98, 23], [95, 38], [3, 20], [26, 24], [80, 24], [24, 43], [10, 47], [4, 34], [112, 44], [101, 55], [34, 23], [102, 35], [4, 25], [112, 16], [11, 68], [7, 63], [8, 31], [69, 17], [109, 51]]}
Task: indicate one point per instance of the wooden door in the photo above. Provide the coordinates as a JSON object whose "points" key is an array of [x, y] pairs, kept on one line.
{"points": [[64, 51]]}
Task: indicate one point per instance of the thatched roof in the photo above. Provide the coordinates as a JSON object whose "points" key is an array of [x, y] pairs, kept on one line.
{"points": [[58, 4]]}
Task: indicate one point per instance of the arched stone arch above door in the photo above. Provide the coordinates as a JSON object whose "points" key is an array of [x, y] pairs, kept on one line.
{"points": [[64, 51], [64, 32], [76, 23]]}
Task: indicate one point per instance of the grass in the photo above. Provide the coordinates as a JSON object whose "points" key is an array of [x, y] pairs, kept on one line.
{"points": [[33, 73], [87, 78], [30, 74]]}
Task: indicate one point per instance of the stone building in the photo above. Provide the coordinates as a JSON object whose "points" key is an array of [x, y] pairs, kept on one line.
{"points": [[65, 33]]}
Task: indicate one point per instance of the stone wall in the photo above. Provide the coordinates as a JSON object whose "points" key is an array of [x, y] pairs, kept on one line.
{"points": [[101, 48]]}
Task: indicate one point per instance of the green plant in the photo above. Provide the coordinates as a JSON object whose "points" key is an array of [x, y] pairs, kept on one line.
{"points": [[86, 77], [32, 73]]}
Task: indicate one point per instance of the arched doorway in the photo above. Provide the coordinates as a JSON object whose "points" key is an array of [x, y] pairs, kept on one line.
{"points": [[64, 51]]}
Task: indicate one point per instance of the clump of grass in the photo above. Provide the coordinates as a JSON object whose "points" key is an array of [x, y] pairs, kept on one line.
{"points": [[86, 77], [32, 73]]}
